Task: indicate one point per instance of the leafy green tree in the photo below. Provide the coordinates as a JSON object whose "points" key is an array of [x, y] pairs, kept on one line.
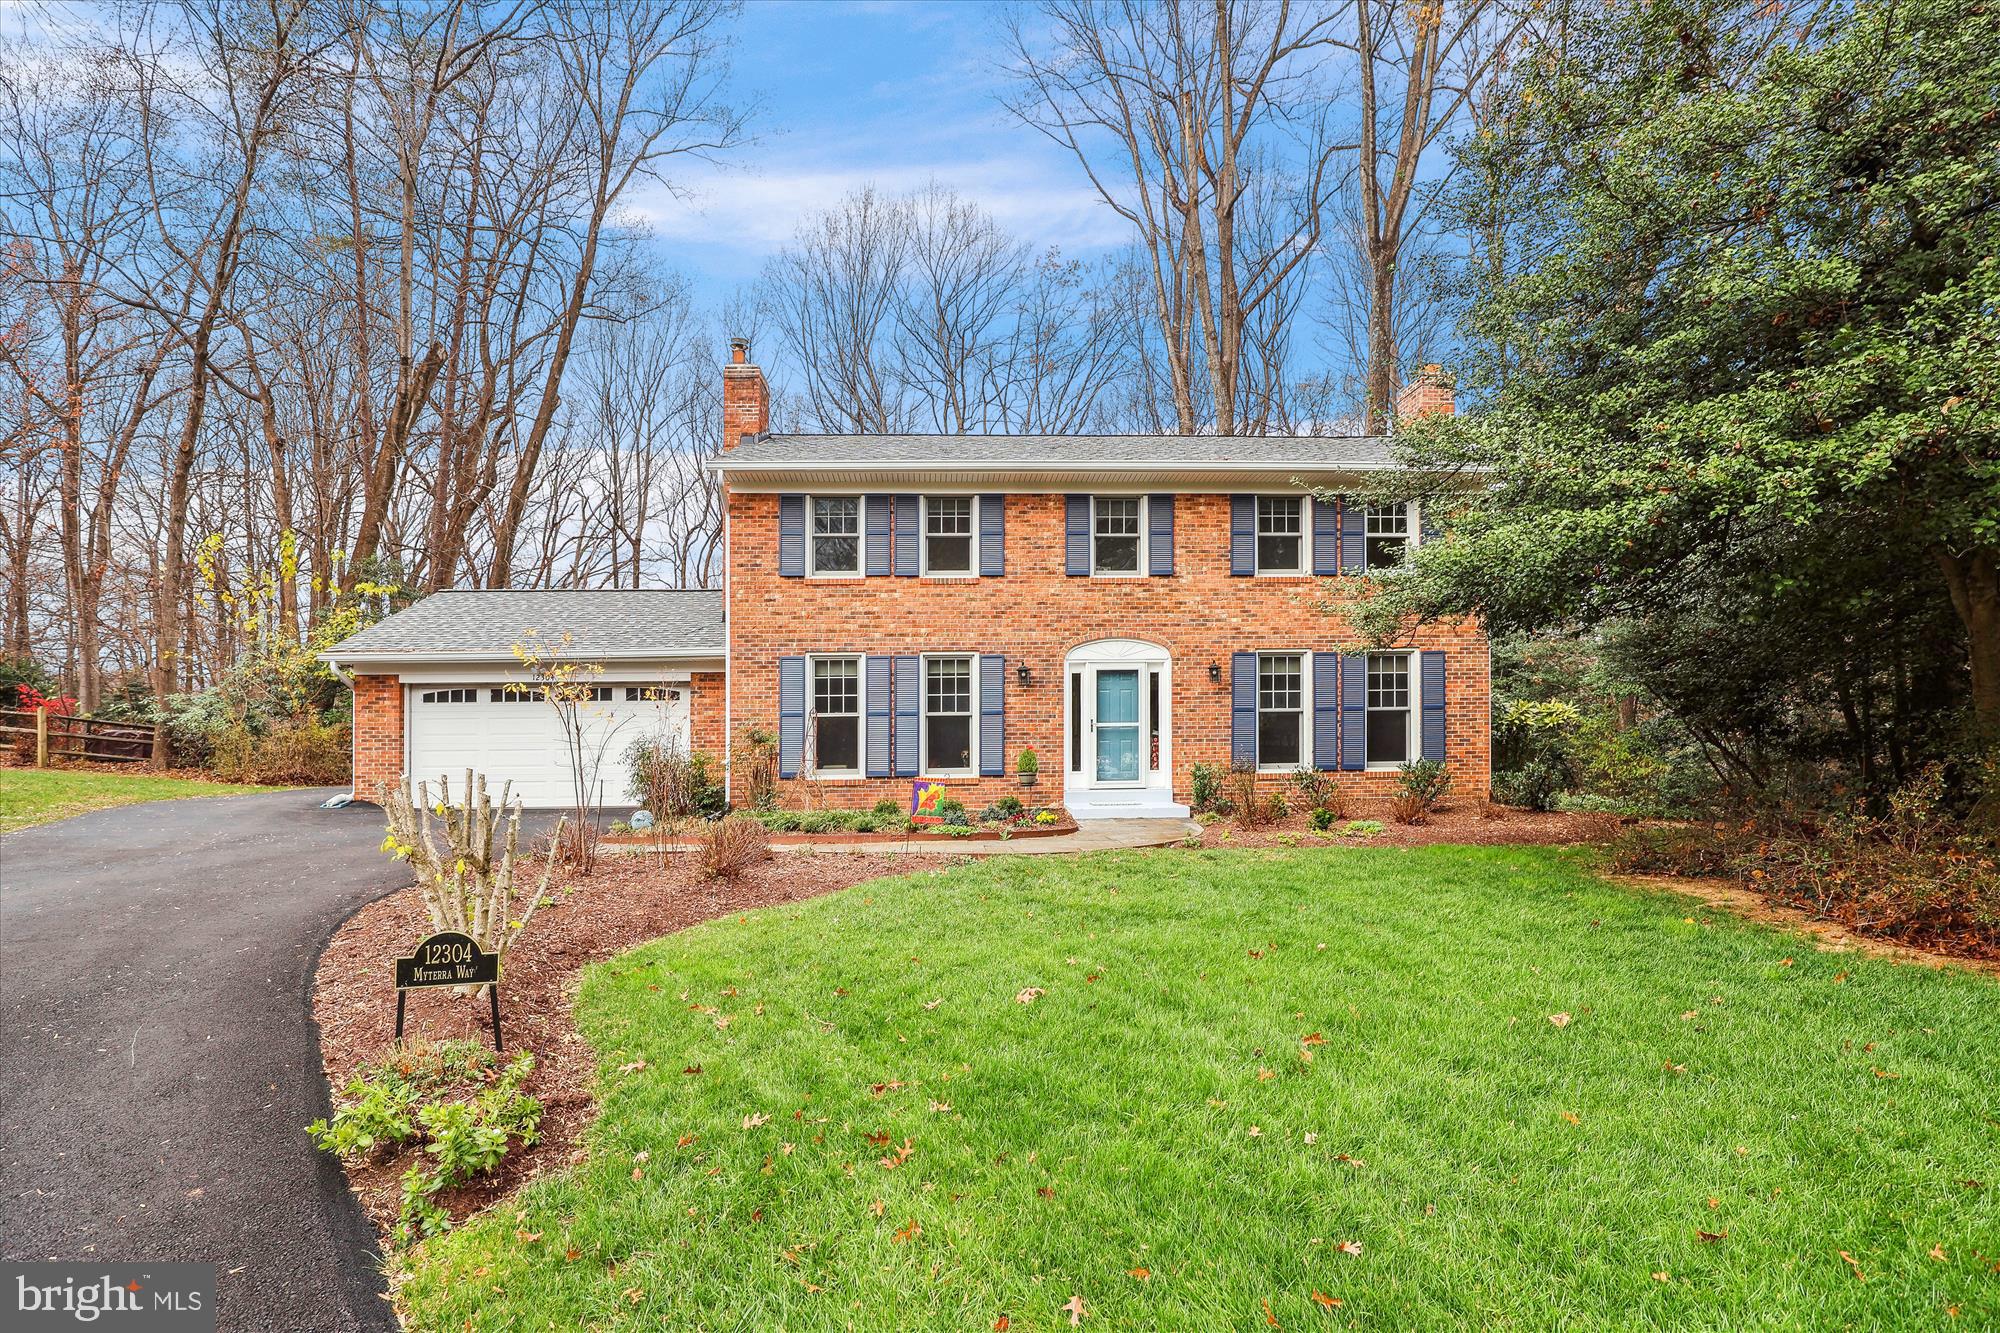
{"points": [[1738, 378]]}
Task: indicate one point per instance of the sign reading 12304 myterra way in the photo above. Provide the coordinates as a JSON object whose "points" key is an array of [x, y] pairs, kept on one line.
{"points": [[449, 958]]}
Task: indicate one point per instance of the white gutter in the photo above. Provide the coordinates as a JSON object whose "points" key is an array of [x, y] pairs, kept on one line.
{"points": [[384, 658]]}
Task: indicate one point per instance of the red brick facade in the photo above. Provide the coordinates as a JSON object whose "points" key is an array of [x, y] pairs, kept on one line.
{"points": [[378, 734], [1035, 614]]}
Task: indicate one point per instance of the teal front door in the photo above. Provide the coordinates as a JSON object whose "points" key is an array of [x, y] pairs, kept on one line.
{"points": [[1117, 729]]}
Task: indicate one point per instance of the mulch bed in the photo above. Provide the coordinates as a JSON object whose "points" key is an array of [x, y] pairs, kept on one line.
{"points": [[1457, 822], [625, 901]]}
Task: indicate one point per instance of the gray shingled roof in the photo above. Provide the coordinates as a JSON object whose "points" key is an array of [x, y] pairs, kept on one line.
{"points": [[1056, 451], [487, 624]]}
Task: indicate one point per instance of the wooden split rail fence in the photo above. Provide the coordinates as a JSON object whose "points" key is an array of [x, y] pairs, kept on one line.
{"points": [[55, 736]]}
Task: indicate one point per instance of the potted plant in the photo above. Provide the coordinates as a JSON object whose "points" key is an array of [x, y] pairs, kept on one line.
{"points": [[1027, 768]]}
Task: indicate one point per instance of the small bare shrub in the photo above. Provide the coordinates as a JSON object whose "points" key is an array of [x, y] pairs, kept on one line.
{"points": [[1252, 811], [1408, 807], [1676, 849], [1492, 810], [731, 846]]}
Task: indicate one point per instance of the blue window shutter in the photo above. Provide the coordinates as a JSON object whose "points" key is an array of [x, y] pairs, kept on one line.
{"points": [[1326, 710], [792, 536], [1076, 536], [907, 512], [876, 524], [992, 536], [909, 694], [1326, 536], [876, 761], [1354, 712], [1160, 535], [791, 714], [1353, 536], [1243, 708], [992, 715], [1242, 535], [1431, 683]]}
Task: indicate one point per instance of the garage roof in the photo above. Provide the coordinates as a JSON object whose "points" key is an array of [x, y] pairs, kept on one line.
{"points": [[481, 624]]}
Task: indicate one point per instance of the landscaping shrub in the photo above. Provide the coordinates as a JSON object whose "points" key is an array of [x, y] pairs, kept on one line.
{"points": [[1208, 797], [1321, 819], [731, 846], [1694, 850], [888, 805], [1243, 798], [1420, 788], [759, 748], [409, 1095], [1319, 790], [304, 752], [670, 782], [1005, 810], [468, 885]]}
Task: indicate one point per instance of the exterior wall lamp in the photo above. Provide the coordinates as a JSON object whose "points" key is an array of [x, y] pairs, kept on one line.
{"points": [[1022, 674], [1215, 672]]}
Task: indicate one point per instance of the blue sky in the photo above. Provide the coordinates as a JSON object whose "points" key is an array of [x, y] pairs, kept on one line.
{"points": [[870, 91]]}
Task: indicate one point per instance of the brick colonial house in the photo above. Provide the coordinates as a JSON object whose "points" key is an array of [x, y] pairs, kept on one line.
{"points": [[904, 606]]}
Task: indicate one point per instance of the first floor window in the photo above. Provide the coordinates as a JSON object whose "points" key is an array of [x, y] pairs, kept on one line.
{"points": [[1388, 535], [948, 534], [836, 534], [947, 714], [1388, 708], [1281, 711], [1280, 534], [836, 715], [1115, 534]]}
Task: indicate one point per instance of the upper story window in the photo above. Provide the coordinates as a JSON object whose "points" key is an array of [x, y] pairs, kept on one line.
{"points": [[1389, 711], [836, 534], [947, 534], [1114, 534], [1281, 534], [836, 720], [1281, 711], [947, 715], [1388, 535]]}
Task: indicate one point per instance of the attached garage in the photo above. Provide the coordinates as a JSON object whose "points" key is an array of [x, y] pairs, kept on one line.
{"points": [[439, 688]]}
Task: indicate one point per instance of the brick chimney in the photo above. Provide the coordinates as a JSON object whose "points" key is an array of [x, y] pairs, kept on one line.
{"points": [[746, 398], [1429, 392]]}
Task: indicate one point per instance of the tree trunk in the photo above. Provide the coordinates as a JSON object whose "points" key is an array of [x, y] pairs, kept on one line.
{"points": [[1974, 581]]}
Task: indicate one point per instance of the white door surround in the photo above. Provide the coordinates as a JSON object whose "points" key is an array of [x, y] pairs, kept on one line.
{"points": [[1118, 756]]}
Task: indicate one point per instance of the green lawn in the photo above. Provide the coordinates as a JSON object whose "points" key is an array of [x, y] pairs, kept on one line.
{"points": [[1146, 1134], [37, 795]]}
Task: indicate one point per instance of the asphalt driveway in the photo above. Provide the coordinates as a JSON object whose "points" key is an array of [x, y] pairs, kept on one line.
{"points": [[158, 1062]]}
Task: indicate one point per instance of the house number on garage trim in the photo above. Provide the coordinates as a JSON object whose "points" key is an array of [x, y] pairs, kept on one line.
{"points": [[449, 958]]}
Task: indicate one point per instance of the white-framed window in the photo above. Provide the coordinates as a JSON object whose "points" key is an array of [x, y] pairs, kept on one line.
{"points": [[949, 539], [836, 715], [1117, 534], [452, 696], [1390, 531], [834, 544], [949, 738], [1392, 713], [647, 694], [1281, 711], [1281, 534]]}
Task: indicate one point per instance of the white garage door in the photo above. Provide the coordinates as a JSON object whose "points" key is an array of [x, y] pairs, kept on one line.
{"points": [[508, 737]]}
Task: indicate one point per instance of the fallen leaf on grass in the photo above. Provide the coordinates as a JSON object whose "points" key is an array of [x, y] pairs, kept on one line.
{"points": [[932, 1004], [1559, 1020], [1699, 1234], [941, 1108], [1311, 1138], [1330, 1302], [687, 1140], [1255, 1132], [1269, 1318], [1660, 1277], [1690, 1015], [692, 1069], [632, 1068], [753, 1121], [1002, 1324], [1141, 1273], [1854, 1264], [638, 1173], [1714, 1202], [1937, 1253], [635, 1294], [1075, 1310], [900, 1156], [878, 1208], [910, 1232], [643, 1156], [1572, 1117], [1349, 1247], [526, 1237], [1029, 995], [572, 1254], [1264, 1074], [1883, 1073]]}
